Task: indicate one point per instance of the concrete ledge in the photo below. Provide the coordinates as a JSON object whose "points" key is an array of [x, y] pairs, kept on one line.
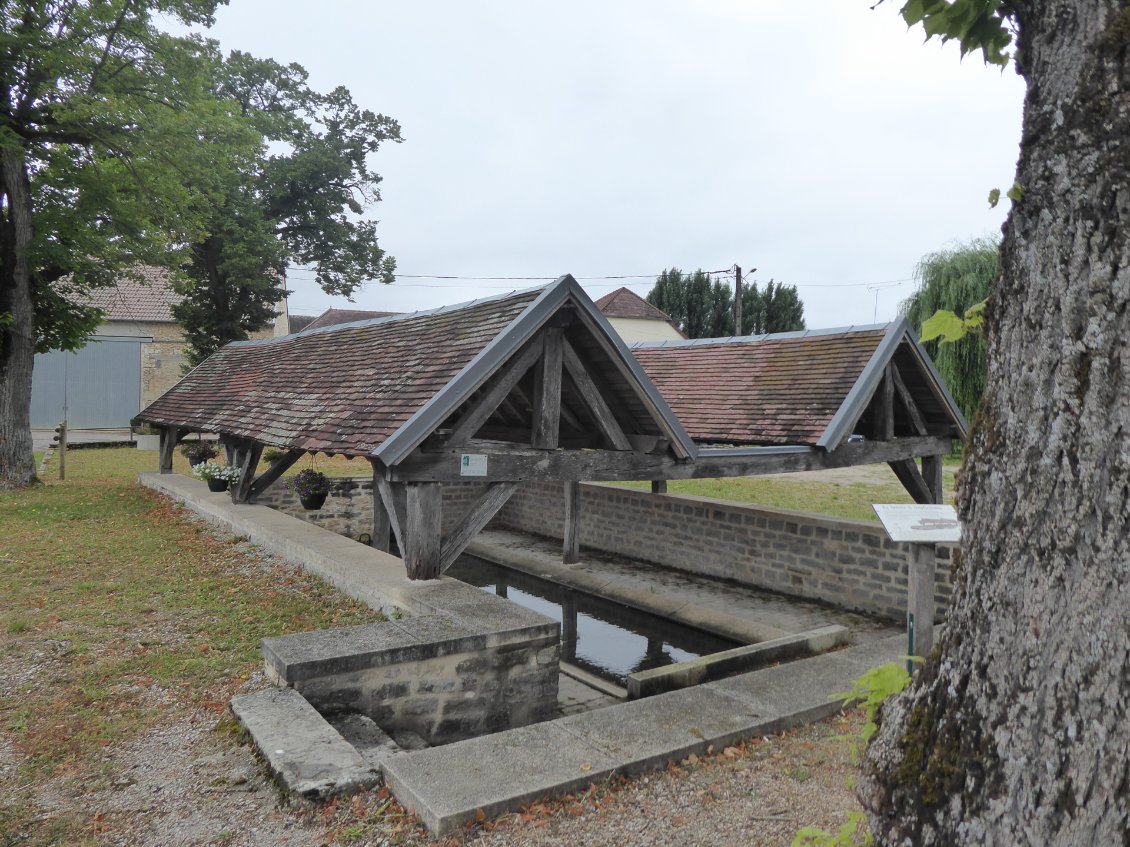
{"points": [[308, 756], [717, 665], [447, 786]]}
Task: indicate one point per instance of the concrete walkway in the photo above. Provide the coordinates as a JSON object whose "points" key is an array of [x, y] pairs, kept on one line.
{"points": [[449, 785]]}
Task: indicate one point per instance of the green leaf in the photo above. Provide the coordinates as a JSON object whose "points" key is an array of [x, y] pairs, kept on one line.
{"points": [[994, 198], [944, 324], [1016, 193]]}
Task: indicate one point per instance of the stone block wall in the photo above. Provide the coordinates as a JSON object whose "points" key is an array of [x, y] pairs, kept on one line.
{"points": [[428, 674], [849, 563]]}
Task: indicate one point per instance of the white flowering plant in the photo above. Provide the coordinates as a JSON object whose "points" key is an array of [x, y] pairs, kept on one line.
{"points": [[210, 470]]}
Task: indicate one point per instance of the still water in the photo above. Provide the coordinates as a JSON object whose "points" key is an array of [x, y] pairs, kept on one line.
{"points": [[603, 637]]}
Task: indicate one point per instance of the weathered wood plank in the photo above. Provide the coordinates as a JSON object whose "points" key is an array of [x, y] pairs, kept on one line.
{"points": [[920, 600], [484, 407], [598, 407], [571, 552], [266, 479], [424, 519], [394, 498], [382, 524], [247, 460], [518, 464], [885, 412], [916, 419], [932, 473], [472, 523], [547, 397], [907, 472], [167, 444]]}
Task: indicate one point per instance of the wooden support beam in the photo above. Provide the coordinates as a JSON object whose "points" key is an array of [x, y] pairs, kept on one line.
{"points": [[916, 419], [168, 443], [597, 405], [472, 523], [885, 411], [659, 486], [247, 460], [547, 394], [912, 480], [394, 498], [229, 444], [382, 524], [518, 464], [278, 467], [932, 473], [422, 536], [484, 407], [571, 552]]}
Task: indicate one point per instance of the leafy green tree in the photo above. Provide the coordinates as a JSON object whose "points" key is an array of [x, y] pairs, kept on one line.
{"points": [[109, 138], [703, 307], [298, 202], [956, 280]]}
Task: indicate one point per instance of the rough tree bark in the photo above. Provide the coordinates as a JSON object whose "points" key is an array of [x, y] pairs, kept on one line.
{"points": [[1016, 730], [17, 335]]}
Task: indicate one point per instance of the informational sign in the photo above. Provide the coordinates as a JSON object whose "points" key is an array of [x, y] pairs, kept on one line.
{"points": [[473, 464], [919, 524]]}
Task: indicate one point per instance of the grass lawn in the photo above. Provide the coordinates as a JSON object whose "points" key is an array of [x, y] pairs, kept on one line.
{"points": [[116, 609], [845, 493]]}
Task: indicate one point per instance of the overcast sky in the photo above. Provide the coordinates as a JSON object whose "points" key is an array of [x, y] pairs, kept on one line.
{"points": [[819, 142]]}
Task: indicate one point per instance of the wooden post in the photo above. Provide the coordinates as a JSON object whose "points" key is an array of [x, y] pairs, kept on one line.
{"points": [[572, 546], [382, 525], [247, 460], [568, 628], [547, 395], [887, 405], [932, 473], [167, 446], [62, 430], [659, 486], [422, 540], [920, 601], [737, 300]]}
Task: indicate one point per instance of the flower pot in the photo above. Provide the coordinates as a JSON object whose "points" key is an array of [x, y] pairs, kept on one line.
{"points": [[217, 485], [313, 501]]}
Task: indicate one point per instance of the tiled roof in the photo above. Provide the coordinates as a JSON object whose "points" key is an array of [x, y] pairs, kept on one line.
{"points": [[782, 389], [145, 295], [333, 317], [298, 323], [339, 389], [624, 303]]}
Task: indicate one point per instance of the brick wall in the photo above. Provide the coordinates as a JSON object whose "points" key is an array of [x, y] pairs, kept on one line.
{"points": [[850, 563]]}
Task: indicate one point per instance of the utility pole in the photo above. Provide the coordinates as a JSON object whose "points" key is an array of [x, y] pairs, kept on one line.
{"points": [[737, 300]]}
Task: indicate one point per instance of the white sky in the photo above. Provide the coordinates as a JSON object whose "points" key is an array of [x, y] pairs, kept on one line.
{"points": [[819, 142]]}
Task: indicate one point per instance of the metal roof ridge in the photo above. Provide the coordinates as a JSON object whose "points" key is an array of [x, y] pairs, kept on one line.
{"points": [[453, 307], [769, 336]]}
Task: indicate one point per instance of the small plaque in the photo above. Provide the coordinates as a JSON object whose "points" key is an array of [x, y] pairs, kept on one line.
{"points": [[473, 464], [921, 524]]}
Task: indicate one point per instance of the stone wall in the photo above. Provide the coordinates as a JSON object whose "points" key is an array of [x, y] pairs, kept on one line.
{"points": [[433, 674], [849, 563]]}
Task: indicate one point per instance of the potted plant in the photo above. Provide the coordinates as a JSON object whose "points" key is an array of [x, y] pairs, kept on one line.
{"points": [[217, 476], [311, 487], [198, 451]]}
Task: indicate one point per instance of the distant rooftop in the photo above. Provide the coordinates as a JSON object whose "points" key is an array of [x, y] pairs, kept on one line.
{"points": [[145, 295], [333, 317], [299, 322], [625, 303]]}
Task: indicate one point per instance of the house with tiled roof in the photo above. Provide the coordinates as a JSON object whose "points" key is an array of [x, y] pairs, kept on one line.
{"points": [[334, 317], [135, 356], [634, 319]]}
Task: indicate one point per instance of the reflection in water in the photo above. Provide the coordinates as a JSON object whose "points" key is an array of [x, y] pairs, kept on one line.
{"points": [[599, 635]]}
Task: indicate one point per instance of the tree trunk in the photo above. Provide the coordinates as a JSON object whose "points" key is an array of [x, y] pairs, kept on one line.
{"points": [[1016, 730], [17, 338]]}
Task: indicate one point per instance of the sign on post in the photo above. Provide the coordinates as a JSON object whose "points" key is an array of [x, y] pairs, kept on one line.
{"points": [[922, 527]]}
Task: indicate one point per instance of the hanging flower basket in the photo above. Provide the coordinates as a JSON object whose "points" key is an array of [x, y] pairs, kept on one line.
{"points": [[217, 485], [312, 488]]}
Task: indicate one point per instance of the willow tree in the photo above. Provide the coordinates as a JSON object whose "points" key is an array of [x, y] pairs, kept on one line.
{"points": [[1016, 730], [955, 279]]}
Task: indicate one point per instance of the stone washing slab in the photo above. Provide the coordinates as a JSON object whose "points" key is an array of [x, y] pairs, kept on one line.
{"points": [[447, 786], [307, 755]]}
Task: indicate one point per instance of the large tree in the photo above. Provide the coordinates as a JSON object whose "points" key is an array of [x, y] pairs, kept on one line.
{"points": [[1016, 730], [703, 307], [298, 202], [109, 136], [954, 280]]}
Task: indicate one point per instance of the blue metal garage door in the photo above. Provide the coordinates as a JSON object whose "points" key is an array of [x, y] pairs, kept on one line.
{"points": [[100, 385]]}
